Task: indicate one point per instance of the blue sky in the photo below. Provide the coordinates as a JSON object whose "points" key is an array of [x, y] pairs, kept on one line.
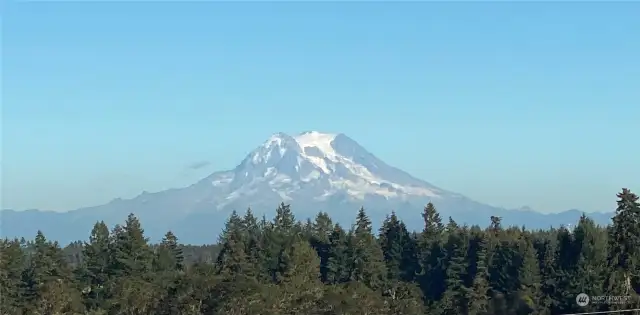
{"points": [[511, 104]]}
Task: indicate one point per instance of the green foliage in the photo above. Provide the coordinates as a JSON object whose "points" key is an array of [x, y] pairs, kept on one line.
{"points": [[366, 257], [284, 267]]}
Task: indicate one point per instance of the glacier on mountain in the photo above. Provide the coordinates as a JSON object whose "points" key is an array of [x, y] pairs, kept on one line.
{"points": [[317, 165]]}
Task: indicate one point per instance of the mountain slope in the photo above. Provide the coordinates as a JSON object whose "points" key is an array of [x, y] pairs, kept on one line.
{"points": [[312, 171], [316, 167]]}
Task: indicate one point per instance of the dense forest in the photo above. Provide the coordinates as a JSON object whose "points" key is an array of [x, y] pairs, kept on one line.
{"points": [[282, 266]]}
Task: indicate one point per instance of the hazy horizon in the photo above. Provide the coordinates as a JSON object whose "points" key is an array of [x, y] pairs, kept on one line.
{"points": [[510, 104]]}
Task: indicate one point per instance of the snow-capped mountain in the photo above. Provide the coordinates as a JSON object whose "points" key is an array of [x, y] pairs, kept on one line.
{"points": [[312, 171], [316, 166]]}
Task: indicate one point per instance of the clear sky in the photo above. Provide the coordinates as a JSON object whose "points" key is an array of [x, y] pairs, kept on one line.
{"points": [[511, 104]]}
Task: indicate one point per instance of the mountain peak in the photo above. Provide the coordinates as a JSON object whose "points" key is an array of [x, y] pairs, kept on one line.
{"points": [[316, 144], [319, 165], [272, 150], [310, 145], [315, 132]]}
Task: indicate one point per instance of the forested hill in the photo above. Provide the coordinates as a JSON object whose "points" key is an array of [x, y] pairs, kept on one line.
{"points": [[283, 267]]}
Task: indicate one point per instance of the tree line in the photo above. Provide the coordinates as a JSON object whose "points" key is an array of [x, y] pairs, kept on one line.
{"points": [[318, 267]]}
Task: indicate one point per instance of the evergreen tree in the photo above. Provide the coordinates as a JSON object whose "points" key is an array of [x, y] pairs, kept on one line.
{"points": [[301, 286], [168, 264], [338, 263], [284, 220], [132, 262], [398, 249], [478, 274], [455, 299], [233, 224], [96, 264], [169, 255], [131, 253], [432, 275], [403, 298], [320, 239], [624, 248], [233, 259], [590, 243], [254, 243], [547, 266], [47, 281], [277, 237], [366, 255], [528, 275], [11, 268], [503, 271]]}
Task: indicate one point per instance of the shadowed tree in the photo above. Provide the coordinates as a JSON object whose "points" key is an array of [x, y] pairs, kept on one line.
{"points": [[11, 267], [366, 255], [624, 247], [95, 269]]}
